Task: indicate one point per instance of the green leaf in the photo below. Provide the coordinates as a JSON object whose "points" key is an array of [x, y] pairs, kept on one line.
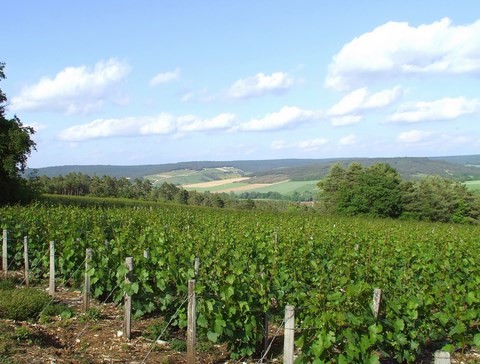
{"points": [[202, 321], [212, 336], [449, 347], [399, 325], [476, 340], [135, 287]]}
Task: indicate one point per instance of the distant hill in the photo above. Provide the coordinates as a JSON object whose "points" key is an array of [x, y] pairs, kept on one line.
{"points": [[456, 167]]}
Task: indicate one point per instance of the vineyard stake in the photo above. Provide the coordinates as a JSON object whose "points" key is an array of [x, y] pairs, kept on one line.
{"points": [[191, 325], [51, 287], [442, 357], [265, 333], [86, 289], [25, 257], [127, 328], [288, 347], [196, 266], [4, 253], [377, 297]]}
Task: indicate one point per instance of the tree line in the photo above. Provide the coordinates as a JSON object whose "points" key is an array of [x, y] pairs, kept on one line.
{"points": [[379, 191], [79, 184]]}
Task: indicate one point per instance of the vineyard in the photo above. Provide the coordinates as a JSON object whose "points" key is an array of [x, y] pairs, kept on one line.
{"points": [[253, 264]]}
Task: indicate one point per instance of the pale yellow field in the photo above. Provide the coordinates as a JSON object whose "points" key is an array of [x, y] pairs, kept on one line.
{"points": [[215, 183], [251, 186], [244, 188]]}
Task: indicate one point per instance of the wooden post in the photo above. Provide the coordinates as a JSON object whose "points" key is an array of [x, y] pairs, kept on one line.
{"points": [[265, 333], [127, 324], [377, 297], [25, 258], [86, 288], [191, 324], [197, 265], [51, 287], [442, 357], [4, 253], [288, 347]]}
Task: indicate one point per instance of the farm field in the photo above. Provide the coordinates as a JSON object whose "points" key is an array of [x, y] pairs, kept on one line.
{"points": [[473, 185], [227, 186], [189, 176], [255, 263]]}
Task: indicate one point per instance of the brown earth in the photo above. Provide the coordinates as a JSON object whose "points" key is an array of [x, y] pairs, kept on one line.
{"points": [[82, 339], [86, 339]]}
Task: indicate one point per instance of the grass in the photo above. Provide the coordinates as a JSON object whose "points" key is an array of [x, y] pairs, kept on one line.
{"points": [[188, 176], [473, 185], [284, 188]]}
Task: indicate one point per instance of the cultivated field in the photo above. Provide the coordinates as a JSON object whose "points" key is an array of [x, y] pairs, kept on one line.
{"points": [[473, 185], [236, 185]]}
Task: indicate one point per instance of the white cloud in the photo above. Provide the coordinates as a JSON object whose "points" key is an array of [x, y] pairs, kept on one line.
{"points": [[162, 124], [279, 144], [260, 85], [361, 100], [349, 109], [305, 145], [349, 140], [75, 89], [165, 77], [36, 126], [443, 109], [346, 120], [413, 136], [396, 48], [192, 123], [287, 117]]}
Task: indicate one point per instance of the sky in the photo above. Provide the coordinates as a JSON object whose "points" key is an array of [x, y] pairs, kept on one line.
{"points": [[149, 82]]}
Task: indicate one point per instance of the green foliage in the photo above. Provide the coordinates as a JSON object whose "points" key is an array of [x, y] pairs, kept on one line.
{"points": [[379, 191], [437, 199], [375, 190], [253, 262], [15, 147], [22, 303], [56, 310], [6, 284]]}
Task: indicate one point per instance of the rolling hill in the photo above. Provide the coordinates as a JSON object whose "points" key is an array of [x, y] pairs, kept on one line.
{"points": [[267, 171]]}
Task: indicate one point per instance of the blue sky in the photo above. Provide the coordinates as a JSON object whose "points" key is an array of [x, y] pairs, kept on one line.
{"points": [[146, 82]]}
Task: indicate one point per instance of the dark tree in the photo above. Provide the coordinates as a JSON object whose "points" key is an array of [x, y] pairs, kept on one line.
{"points": [[15, 147]]}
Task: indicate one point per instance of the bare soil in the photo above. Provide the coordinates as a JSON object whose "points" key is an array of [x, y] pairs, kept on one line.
{"points": [[82, 339]]}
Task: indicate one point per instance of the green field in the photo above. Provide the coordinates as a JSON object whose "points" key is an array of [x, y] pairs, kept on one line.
{"points": [[254, 263], [189, 176], [288, 187], [473, 185], [284, 188]]}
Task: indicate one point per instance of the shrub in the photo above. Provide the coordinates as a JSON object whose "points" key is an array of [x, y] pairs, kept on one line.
{"points": [[22, 303]]}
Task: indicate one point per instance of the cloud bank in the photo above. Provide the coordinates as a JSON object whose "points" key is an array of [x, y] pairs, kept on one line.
{"points": [[398, 49], [165, 77], [260, 85], [75, 89], [447, 108], [167, 124]]}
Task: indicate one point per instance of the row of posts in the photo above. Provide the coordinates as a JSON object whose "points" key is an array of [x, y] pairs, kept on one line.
{"points": [[441, 357]]}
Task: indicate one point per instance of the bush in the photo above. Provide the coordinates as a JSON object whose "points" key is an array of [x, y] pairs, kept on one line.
{"points": [[22, 304], [6, 284]]}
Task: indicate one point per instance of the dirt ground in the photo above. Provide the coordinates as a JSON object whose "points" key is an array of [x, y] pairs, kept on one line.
{"points": [[99, 339]]}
